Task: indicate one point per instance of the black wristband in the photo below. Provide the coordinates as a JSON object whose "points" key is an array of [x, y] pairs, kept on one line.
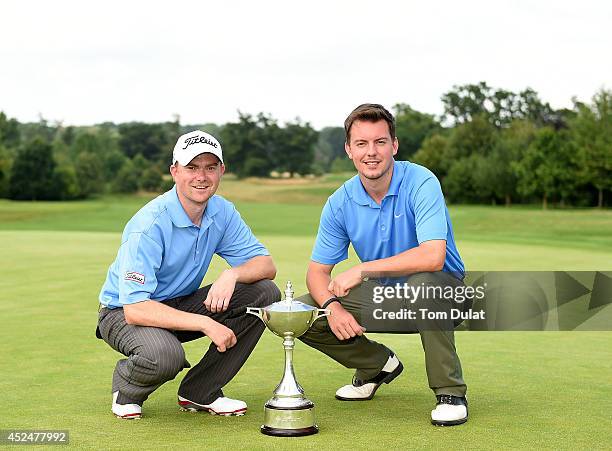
{"points": [[329, 301]]}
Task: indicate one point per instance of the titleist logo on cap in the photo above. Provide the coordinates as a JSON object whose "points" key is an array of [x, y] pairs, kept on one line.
{"points": [[197, 140]]}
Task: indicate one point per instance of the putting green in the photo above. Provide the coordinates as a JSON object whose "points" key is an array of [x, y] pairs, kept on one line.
{"points": [[526, 390]]}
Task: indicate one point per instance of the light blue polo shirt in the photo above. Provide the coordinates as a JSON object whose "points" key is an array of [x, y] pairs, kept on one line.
{"points": [[413, 211], [164, 255]]}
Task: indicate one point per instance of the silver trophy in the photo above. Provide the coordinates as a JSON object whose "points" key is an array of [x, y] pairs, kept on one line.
{"points": [[289, 413]]}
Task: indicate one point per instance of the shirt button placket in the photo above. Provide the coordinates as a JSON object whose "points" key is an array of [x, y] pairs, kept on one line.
{"points": [[382, 215]]}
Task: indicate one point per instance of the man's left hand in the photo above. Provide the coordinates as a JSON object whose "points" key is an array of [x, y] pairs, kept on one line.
{"points": [[341, 284], [220, 292]]}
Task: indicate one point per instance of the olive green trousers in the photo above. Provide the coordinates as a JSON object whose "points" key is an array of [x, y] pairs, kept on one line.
{"points": [[368, 357]]}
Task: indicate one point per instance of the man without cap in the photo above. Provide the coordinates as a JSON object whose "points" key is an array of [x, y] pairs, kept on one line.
{"points": [[394, 215], [152, 301]]}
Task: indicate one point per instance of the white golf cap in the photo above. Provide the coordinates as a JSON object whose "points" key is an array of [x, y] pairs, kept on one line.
{"points": [[194, 143]]}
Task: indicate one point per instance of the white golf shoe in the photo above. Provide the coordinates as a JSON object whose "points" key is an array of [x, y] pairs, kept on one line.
{"points": [[126, 411], [450, 411], [220, 406], [364, 390]]}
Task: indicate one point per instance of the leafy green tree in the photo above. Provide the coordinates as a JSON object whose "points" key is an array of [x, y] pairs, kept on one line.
{"points": [[151, 179], [485, 178], [508, 149], [90, 174], [249, 144], [256, 167], [330, 145], [41, 129], [86, 142], [592, 133], [464, 102], [126, 180], [459, 184], [471, 179], [297, 141], [172, 130], [255, 146], [32, 173], [112, 163], [462, 160], [9, 131], [5, 167], [139, 164], [506, 106], [531, 108], [3, 182], [62, 153], [435, 155], [411, 129], [65, 182], [108, 137], [67, 135], [500, 107], [149, 140], [478, 136], [547, 167]]}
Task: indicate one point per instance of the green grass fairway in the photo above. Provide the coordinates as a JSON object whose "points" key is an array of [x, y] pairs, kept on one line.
{"points": [[526, 390]]}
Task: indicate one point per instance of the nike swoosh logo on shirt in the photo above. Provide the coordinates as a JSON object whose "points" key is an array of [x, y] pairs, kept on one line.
{"points": [[397, 216]]}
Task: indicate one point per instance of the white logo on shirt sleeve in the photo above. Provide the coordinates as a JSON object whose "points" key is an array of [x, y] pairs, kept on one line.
{"points": [[135, 277]]}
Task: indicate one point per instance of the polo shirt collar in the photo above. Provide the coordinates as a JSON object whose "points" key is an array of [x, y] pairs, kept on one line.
{"points": [[396, 179], [212, 208], [361, 196], [175, 209], [179, 217]]}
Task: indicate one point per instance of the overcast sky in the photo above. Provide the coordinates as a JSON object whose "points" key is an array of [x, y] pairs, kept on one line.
{"points": [[84, 62]]}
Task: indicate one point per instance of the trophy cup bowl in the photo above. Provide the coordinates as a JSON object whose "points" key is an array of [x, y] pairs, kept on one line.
{"points": [[288, 413]]}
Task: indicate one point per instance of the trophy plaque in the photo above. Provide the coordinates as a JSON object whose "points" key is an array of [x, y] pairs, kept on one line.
{"points": [[288, 413]]}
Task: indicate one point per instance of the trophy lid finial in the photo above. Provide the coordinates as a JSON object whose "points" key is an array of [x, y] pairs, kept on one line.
{"points": [[289, 292]]}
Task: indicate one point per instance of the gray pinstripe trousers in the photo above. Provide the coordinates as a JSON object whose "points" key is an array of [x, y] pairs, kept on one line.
{"points": [[155, 355]]}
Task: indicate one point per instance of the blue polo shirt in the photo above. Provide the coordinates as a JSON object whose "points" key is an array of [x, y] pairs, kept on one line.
{"points": [[164, 255], [413, 211]]}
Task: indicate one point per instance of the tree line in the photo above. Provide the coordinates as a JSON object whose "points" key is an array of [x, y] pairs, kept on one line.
{"points": [[489, 146]]}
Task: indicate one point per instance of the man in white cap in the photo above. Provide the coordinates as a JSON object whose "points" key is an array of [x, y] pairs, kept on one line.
{"points": [[152, 301]]}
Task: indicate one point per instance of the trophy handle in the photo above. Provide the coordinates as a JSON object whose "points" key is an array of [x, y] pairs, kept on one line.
{"points": [[321, 312], [258, 312]]}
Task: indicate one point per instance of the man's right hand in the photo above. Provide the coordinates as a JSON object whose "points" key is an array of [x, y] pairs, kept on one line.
{"points": [[342, 323], [223, 337]]}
